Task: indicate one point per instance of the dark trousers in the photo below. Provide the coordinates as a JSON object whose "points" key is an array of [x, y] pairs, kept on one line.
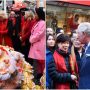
{"points": [[38, 66]]}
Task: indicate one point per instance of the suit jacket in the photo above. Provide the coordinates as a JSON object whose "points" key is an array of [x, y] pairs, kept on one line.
{"points": [[37, 40], [84, 82]]}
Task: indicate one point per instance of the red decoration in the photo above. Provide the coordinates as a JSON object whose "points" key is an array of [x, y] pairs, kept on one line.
{"points": [[81, 2], [18, 6]]}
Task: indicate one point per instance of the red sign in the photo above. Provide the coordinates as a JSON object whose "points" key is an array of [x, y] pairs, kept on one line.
{"points": [[82, 2]]}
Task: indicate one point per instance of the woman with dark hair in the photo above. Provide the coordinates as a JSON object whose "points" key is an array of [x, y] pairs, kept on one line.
{"points": [[37, 40], [63, 67], [40, 13], [50, 47], [14, 28], [50, 42]]}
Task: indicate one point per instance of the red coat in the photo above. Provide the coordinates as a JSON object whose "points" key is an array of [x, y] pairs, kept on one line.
{"points": [[72, 24], [4, 38], [61, 67], [26, 29]]}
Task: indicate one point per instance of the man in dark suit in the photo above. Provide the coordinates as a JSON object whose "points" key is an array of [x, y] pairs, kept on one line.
{"points": [[84, 37]]}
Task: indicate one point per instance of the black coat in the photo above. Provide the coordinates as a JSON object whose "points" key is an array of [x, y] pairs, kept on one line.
{"points": [[59, 77], [13, 31]]}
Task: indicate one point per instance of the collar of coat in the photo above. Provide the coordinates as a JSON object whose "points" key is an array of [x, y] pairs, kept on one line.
{"points": [[87, 53]]}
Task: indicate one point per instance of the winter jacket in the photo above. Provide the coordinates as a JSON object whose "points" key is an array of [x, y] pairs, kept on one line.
{"points": [[37, 40], [60, 70], [49, 58]]}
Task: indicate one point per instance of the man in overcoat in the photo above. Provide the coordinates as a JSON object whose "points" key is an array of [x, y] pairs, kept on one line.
{"points": [[83, 31]]}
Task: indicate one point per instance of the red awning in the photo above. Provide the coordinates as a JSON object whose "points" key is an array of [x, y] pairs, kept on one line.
{"points": [[82, 2]]}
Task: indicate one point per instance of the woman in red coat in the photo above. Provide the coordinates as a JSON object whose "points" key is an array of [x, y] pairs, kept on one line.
{"points": [[63, 68], [4, 37], [27, 23], [73, 22]]}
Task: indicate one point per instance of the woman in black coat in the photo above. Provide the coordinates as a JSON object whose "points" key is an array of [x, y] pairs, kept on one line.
{"points": [[14, 27]]}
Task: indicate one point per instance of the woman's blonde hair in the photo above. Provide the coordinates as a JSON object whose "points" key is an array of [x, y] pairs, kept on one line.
{"points": [[30, 14], [3, 15]]}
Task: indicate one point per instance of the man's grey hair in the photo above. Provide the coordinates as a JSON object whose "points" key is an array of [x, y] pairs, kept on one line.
{"points": [[84, 27]]}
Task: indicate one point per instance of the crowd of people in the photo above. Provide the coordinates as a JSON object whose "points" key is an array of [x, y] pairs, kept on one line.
{"points": [[67, 58], [24, 31]]}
